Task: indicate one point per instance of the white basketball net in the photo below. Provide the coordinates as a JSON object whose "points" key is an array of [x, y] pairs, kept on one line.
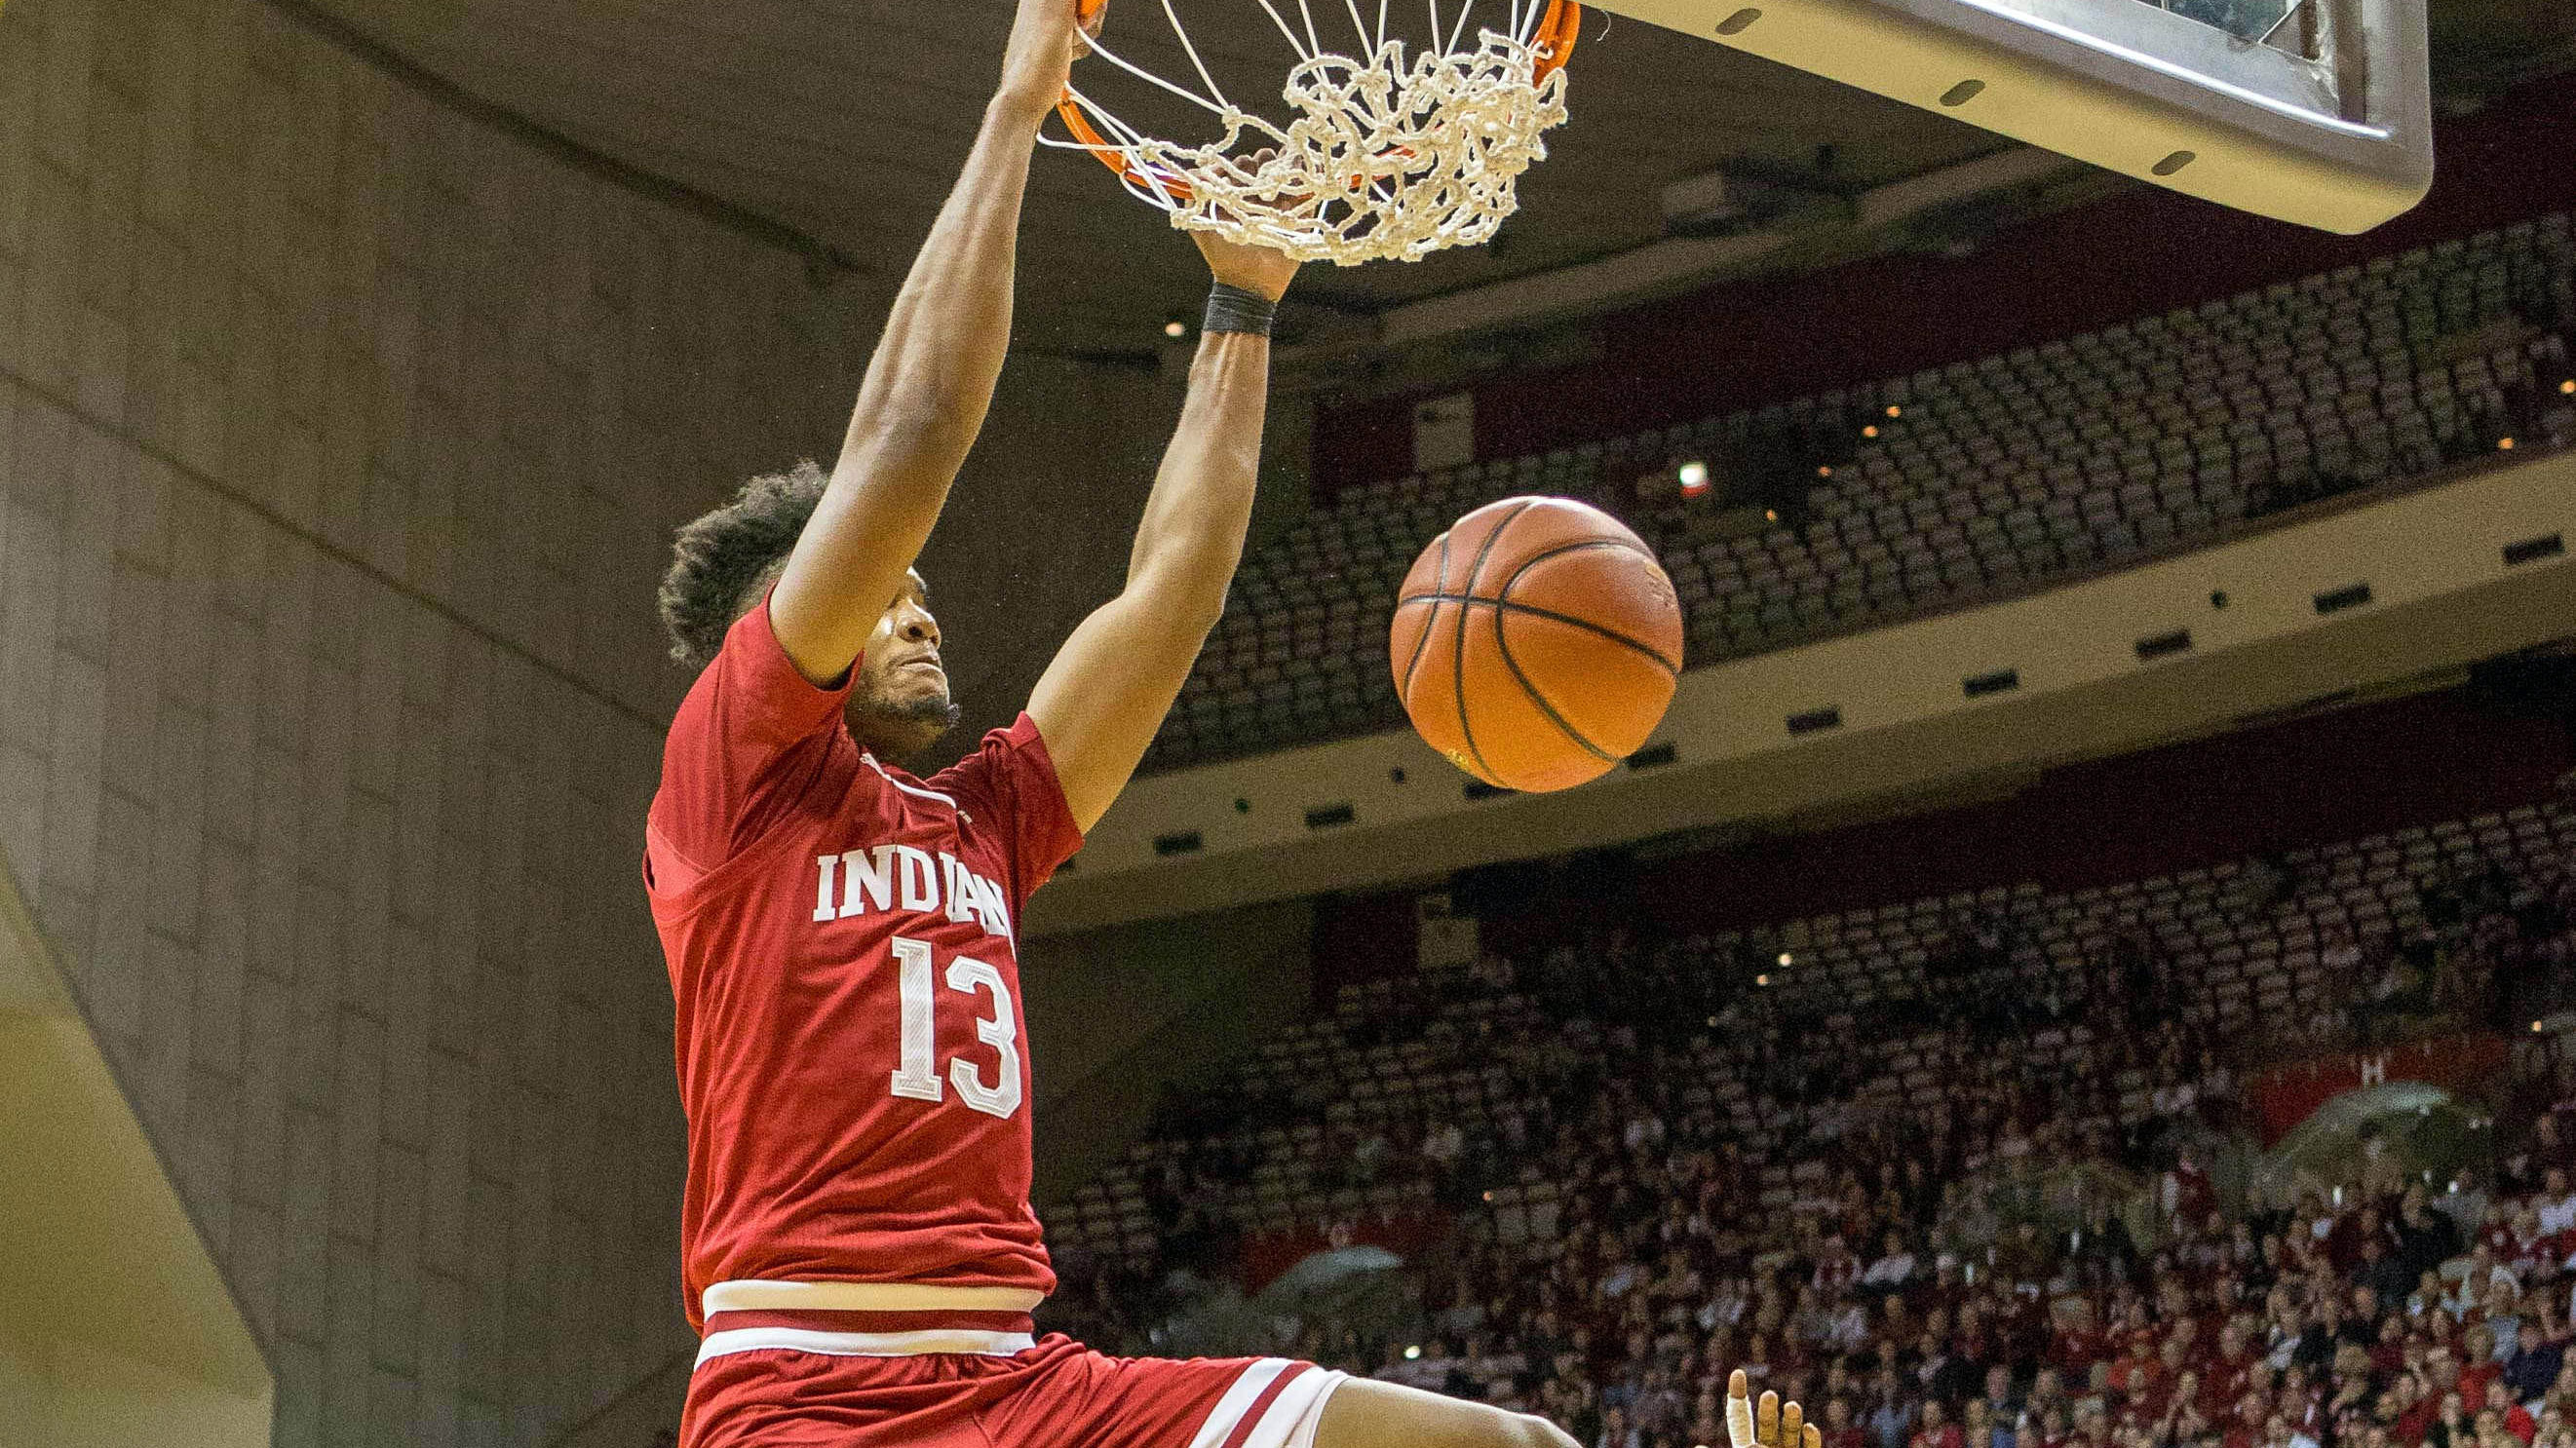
{"points": [[1388, 158]]}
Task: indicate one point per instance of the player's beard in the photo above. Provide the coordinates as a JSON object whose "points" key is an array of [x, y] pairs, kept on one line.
{"points": [[900, 728]]}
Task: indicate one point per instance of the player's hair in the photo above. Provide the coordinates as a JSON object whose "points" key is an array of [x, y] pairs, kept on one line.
{"points": [[716, 559]]}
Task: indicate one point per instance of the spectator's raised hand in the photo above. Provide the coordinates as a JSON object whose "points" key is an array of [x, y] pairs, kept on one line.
{"points": [[1771, 1425]]}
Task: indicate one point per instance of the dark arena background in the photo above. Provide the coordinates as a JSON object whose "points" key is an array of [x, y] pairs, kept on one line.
{"points": [[2089, 960]]}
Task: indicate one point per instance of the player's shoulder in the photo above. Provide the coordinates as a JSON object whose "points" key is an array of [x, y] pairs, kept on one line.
{"points": [[998, 761]]}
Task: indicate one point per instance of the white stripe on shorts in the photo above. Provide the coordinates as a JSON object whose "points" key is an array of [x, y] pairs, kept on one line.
{"points": [[865, 1344], [1289, 1416]]}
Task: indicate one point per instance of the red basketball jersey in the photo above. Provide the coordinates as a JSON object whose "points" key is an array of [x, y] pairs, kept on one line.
{"points": [[840, 938]]}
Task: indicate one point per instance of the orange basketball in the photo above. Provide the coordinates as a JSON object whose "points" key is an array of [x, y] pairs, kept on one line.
{"points": [[1536, 643]]}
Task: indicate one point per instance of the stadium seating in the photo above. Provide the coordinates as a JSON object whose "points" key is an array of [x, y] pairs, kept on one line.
{"points": [[1989, 476], [1649, 1198], [2231, 968]]}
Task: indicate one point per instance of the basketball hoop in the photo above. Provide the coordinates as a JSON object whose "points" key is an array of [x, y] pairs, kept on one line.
{"points": [[1390, 157]]}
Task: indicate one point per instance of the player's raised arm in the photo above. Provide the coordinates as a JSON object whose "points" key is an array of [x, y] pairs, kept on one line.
{"points": [[1100, 702], [932, 378]]}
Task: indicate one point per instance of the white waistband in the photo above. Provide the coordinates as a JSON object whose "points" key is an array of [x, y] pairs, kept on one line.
{"points": [[760, 1296], [865, 1344]]}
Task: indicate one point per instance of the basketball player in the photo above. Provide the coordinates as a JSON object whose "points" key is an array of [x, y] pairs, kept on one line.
{"points": [[858, 1248]]}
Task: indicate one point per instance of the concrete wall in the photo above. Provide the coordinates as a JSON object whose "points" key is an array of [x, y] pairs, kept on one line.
{"points": [[340, 441], [337, 436]]}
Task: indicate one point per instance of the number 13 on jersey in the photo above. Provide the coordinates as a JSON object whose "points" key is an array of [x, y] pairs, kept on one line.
{"points": [[917, 1077]]}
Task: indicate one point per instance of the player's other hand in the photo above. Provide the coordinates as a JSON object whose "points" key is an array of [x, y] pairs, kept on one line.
{"points": [[1252, 268], [1047, 37], [1770, 1425]]}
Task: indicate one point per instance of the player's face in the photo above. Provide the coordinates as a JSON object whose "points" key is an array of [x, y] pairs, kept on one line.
{"points": [[900, 705]]}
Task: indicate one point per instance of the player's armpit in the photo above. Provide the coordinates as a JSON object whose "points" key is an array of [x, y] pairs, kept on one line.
{"points": [[1101, 701]]}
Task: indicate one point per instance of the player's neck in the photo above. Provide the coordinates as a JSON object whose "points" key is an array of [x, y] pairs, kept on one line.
{"points": [[895, 741]]}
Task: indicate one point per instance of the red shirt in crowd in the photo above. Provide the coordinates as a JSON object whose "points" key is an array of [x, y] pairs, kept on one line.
{"points": [[2075, 1349], [2224, 1381], [2474, 1379], [2135, 1370]]}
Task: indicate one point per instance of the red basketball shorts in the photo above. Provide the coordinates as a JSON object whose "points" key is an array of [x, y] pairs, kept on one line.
{"points": [[1055, 1393]]}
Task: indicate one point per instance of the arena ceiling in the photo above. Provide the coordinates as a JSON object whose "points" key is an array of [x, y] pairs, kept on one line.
{"points": [[837, 125]]}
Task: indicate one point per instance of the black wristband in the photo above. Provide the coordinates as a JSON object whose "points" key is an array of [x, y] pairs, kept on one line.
{"points": [[1232, 309]]}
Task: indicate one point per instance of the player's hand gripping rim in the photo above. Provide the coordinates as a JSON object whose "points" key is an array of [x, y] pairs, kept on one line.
{"points": [[1771, 1425], [1047, 37]]}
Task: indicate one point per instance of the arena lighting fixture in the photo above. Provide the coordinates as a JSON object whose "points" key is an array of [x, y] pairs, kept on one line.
{"points": [[2504, 444], [1895, 411], [1787, 959], [1825, 471], [1751, 195], [1770, 515], [1176, 329], [1412, 1351], [1694, 477], [1870, 431], [1762, 980], [2568, 386]]}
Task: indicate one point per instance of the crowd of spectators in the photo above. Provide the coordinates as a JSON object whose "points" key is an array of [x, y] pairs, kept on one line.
{"points": [[2036, 1252]]}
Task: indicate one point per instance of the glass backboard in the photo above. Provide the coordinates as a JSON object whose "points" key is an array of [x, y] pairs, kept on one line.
{"points": [[2312, 111]]}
